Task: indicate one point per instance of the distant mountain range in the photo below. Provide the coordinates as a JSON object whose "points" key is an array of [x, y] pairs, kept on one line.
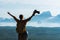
{"points": [[43, 17]]}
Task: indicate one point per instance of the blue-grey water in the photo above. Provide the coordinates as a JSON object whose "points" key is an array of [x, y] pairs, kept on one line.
{"points": [[34, 33]]}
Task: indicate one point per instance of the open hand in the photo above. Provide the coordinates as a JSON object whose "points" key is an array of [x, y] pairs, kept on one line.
{"points": [[35, 11], [8, 12]]}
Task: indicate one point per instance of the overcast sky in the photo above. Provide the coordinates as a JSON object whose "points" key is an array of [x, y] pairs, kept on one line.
{"points": [[26, 7]]}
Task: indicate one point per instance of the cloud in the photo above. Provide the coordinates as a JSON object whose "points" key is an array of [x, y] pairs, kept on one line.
{"points": [[28, 5], [34, 2], [35, 24], [8, 24], [16, 12], [44, 4], [48, 4]]}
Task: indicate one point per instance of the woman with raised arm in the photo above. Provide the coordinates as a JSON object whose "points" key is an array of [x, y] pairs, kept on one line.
{"points": [[21, 25]]}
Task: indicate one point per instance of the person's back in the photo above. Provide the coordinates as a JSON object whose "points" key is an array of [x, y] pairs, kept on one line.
{"points": [[21, 30], [21, 26]]}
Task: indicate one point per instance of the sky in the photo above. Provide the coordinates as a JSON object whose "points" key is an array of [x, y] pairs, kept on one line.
{"points": [[26, 7]]}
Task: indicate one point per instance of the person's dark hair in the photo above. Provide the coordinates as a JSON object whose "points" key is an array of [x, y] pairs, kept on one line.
{"points": [[21, 16]]}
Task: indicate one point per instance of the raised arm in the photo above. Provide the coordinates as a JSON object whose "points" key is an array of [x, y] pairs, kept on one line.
{"points": [[35, 11], [13, 16]]}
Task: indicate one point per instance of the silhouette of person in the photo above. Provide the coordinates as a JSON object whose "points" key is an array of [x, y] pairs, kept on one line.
{"points": [[21, 25]]}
